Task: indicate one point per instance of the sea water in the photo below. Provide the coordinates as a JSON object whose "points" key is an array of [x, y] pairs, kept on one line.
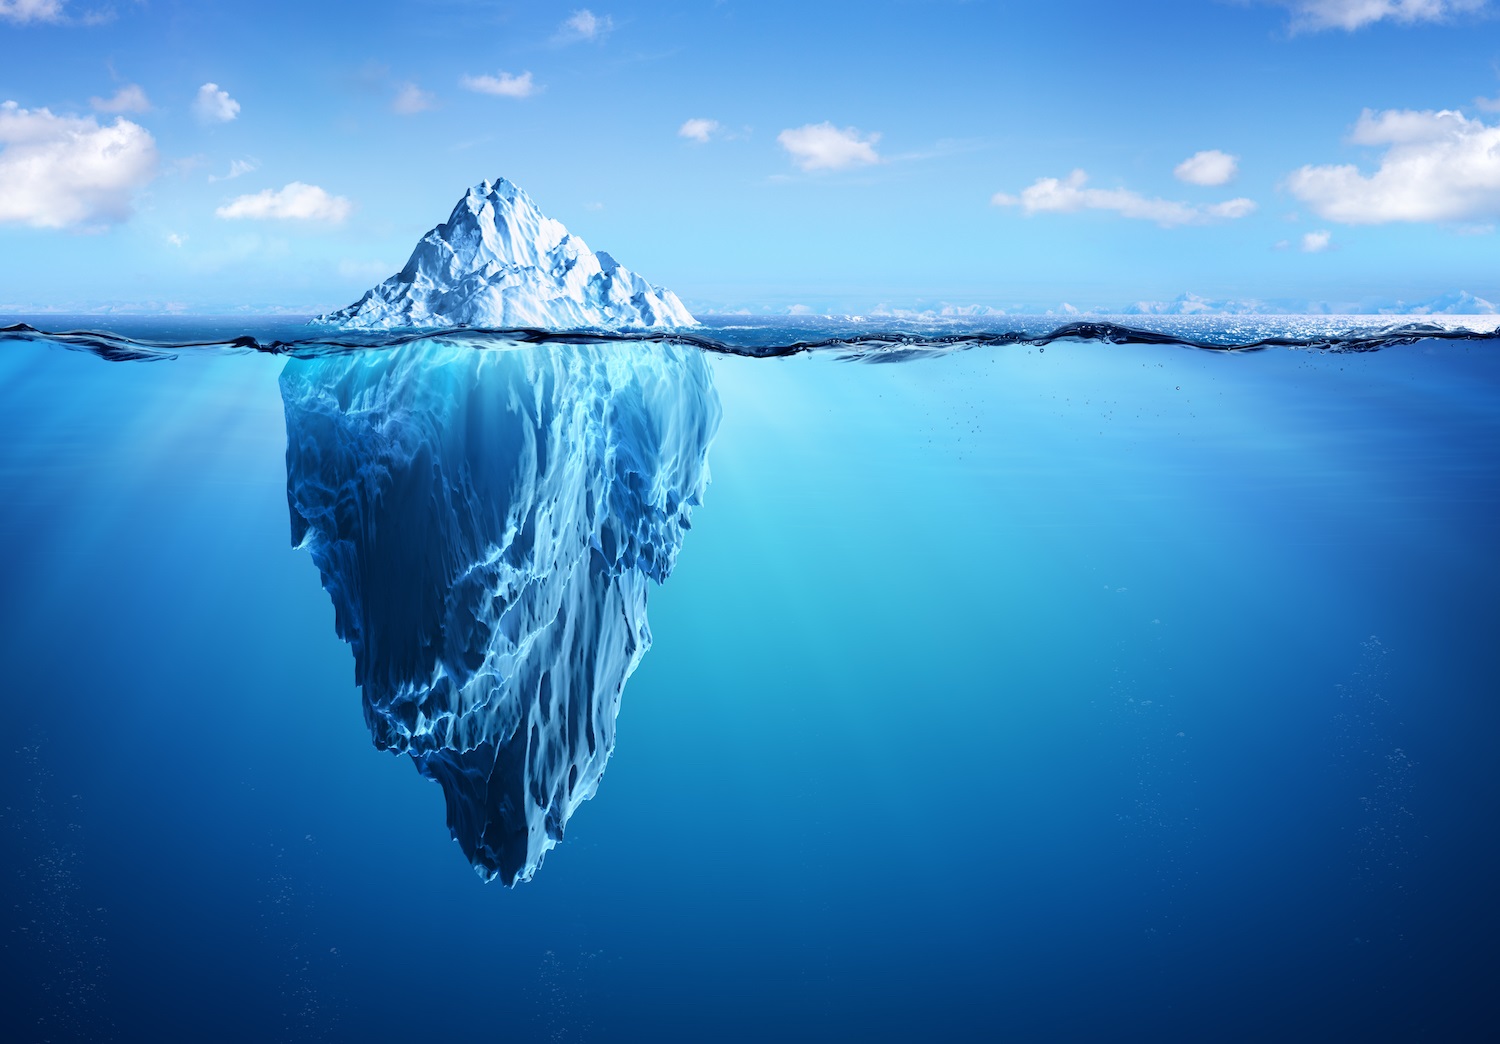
{"points": [[1039, 690]]}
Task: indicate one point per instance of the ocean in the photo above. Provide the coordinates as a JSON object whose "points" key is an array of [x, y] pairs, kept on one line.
{"points": [[806, 679]]}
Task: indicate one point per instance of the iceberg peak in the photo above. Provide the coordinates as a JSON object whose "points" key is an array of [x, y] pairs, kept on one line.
{"points": [[499, 262]]}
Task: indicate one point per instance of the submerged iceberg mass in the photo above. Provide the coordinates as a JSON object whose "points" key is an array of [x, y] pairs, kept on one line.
{"points": [[486, 522], [499, 262]]}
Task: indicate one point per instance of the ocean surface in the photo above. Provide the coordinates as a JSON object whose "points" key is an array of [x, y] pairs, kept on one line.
{"points": [[1130, 681]]}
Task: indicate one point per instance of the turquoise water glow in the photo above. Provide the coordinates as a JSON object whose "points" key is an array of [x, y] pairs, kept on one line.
{"points": [[1101, 692]]}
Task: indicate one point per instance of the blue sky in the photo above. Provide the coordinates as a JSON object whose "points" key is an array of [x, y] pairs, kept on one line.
{"points": [[837, 156]]}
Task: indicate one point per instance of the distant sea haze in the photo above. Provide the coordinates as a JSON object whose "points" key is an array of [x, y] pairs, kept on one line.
{"points": [[1457, 302]]}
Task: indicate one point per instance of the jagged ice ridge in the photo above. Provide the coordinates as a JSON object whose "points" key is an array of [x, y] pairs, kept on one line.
{"points": [[499, 262]]}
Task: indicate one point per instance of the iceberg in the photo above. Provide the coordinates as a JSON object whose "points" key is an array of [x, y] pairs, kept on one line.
{"points": [[486, 522], [498, 262]]}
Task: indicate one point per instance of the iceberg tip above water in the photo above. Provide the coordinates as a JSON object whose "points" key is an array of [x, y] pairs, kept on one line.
{"points": [[499, 262]]}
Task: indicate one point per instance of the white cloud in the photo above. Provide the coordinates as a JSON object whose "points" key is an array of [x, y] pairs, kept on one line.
{"points": [[23, 11], [1488, 104], [585, 25], [1208, 168], [1232, 209], [697, 129], [295, 202], [1313, 15], [1070, 195], [63, 171], [237, 168], [214, 105], [505, 85], [411, 99], [822, 146], [1316, 242], [175, 240], [129, 98], [1437, 166]]}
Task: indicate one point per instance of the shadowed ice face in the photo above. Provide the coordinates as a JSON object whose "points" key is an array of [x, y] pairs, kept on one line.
{"points": [[486, 522]]}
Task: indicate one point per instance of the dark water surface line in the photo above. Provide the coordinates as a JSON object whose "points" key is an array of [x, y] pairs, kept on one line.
{"points": [[865, 347]]}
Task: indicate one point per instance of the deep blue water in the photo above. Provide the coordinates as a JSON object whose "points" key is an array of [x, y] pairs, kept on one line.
{"points": [[1106, 692]]}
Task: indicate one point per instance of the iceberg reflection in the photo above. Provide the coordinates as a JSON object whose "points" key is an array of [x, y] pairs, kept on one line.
{"points": [[486, 521]]}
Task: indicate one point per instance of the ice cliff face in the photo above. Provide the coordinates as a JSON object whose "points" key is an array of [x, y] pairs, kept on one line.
{"points": [[498, 262], [486, 522]]}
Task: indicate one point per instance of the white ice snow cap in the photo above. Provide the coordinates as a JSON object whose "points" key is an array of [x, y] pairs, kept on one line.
{"points": [[499, 262]]}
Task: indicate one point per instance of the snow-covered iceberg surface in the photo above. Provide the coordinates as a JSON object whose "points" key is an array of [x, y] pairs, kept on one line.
{"points": [[486, 522], [499, 262]]}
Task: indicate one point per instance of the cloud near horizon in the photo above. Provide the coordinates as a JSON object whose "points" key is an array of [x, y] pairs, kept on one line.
{"points": [[822, 146], [68, 171], [1349, 15], [1437, 166], [505, 85], [297, 201], [1071, 195], [1316, 242]]}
